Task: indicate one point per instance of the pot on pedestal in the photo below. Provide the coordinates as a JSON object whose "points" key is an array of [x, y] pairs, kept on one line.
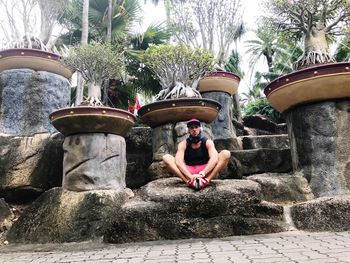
{"points": [[316, 102], [37, 83], [221, 86], [94, 147], [32, 84]]}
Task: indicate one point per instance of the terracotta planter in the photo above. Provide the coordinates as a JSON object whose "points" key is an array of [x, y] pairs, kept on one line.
{"points": [[35, 59], [167, 111], [219, 81], [89, 119], [323, 82]]}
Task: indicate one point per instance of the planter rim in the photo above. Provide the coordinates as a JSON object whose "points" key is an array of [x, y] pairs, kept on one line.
{"points": [[177, 110], [28, 51], [36, 59], [219, 81], [309, 72], [81, 119], [312, 84], [222, 74]]}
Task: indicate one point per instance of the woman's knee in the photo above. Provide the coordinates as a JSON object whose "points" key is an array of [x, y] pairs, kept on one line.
{"points": [[167, 158], [225, 154]]}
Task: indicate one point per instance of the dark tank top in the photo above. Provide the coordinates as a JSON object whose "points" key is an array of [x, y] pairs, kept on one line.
{"points": [[196, 156]]}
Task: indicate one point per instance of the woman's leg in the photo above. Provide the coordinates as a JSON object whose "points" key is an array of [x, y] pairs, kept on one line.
{"points": [[170, 164], [224, 157]]}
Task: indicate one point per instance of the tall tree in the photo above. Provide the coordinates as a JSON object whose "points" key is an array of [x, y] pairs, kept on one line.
{"points": [[84, 41], [214, 25], [314, 20], [20, 20]]}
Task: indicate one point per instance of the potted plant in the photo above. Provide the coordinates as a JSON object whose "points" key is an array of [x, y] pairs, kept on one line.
{"points": [[96, 62], [316, 71], [219, 80], [178, 69], [315, 97]]}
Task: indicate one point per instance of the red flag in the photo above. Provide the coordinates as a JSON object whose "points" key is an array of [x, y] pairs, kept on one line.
{"points": [[130, 107], [137, 104]]}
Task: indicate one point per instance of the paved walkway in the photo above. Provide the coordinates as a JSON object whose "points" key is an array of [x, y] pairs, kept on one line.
{"points": [[294, 246]]}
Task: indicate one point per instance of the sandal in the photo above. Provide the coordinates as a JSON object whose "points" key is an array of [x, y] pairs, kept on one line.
{"points": [[203, 182]]}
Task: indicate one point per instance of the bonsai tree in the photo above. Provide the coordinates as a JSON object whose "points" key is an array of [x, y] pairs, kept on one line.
{"points": [[315, 20], [176, 67], [96, 62]]}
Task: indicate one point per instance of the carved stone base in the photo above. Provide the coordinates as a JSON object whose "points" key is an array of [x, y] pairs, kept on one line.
{"points": [[94, 161], [320, 145]]}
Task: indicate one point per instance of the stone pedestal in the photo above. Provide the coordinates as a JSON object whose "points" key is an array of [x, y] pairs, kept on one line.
{"points": [[27, 97], [320, 144], [94, 161], [222, 127]]}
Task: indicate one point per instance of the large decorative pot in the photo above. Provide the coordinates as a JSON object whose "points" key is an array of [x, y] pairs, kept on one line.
{"points": [[219, 81], [94, 147], [35, 59], [90, 119], [316, 104], [177, 110], [324, 82]]}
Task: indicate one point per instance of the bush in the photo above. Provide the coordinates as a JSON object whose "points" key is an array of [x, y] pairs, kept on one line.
{"points": [[261, 106]]}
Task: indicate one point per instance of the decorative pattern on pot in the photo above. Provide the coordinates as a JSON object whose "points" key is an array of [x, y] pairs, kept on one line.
{"points": [[322, 82], [219, 81], [35, 59]]}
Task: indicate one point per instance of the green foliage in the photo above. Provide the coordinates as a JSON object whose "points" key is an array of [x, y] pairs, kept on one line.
{"points": [[177, 63], [96, 62], [261, 106], [233, 64], [124, 13]]}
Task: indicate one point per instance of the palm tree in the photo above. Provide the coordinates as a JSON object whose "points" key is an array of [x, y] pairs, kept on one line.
{"points": [[123, 14]]}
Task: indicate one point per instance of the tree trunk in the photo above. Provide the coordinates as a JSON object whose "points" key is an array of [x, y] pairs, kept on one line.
{"points": [[315, 41], [94, 90], [84, 41], [316, 49], [109, 22], [85, 23]]}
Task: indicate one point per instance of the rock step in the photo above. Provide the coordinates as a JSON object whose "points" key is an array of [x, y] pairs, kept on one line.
{"points": [[162, 209], [168, 209], [263, 160], [280, 141]]}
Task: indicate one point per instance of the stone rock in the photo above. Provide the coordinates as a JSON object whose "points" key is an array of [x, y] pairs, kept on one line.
{"points": [[138, 156], [29, 165], [279, 141], [6, 215], [94, 161], [35, 95], [260, 125], [229, 144], [323, 214], [233, 170], [239, 127], [222, 126], [263, 160], [59, 216], [320, 145], [158, 170], [168, 209], [162, 141], [283, 188]]}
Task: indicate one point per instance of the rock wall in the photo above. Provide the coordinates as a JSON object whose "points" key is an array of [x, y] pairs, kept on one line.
{"points": [[29, 165], [27, 97], [320, 145]]}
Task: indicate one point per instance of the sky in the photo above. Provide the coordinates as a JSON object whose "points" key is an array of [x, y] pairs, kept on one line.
{"points": [[252, 9]]}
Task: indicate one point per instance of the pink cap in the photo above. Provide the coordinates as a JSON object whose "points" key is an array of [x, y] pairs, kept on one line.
{"points": [[193, 122]]}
